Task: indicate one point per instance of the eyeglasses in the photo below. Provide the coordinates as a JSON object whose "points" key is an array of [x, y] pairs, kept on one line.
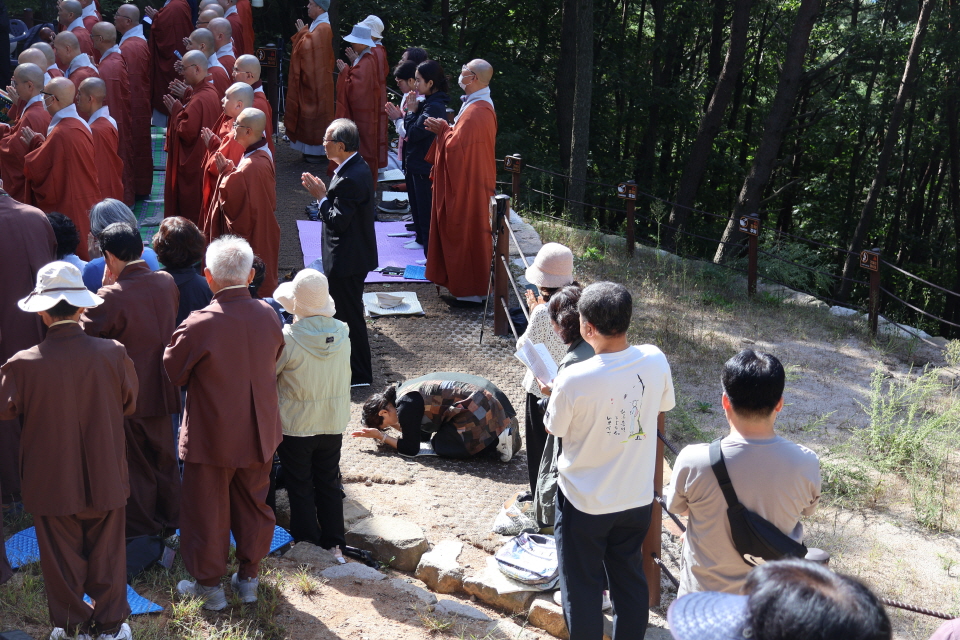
{"points": [[466, 70], [237, 125], [325, 141], [46, 95]]}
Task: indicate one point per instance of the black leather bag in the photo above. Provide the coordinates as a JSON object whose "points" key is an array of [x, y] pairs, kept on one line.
{"points": [[754, 536]]}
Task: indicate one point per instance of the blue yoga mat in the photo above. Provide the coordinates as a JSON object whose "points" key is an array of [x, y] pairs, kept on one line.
{"points": [[138, 604], [280, 538]]}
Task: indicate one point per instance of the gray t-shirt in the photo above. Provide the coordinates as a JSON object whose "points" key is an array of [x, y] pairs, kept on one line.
{"points": [[776, 478]]}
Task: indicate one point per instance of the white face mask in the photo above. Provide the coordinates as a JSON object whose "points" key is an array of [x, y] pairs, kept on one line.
{"points": [[463, 85]]}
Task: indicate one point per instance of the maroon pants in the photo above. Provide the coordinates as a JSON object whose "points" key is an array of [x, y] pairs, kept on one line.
{"points": [[84, 553], [154, 502], [216, 501], [5, 570]]}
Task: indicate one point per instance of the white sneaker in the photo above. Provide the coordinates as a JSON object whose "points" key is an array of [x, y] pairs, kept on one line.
{"points": [[214, 599], [424, 261], [505, 445], [413, 244], [59, 633], [123, 634], [246, 589]]}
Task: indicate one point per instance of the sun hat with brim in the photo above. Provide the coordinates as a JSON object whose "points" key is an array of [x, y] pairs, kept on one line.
{"points": [[360, 35], [375, 24], [307, 295], [55, 282], [709, 615], [552, 268]]}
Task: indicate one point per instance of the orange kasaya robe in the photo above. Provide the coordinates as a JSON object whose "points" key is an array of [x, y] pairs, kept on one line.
{"points": [[464, 178], [13, 150], [62, 176], [221, 80], [358, 98], [79, 75], [231, 150], [382, 139], [240, 34], [245, 204], [86, 42], [245, 9], [227, 62], [106, 141], [113, 70], [260, 102], [310, 105], [171, 25], [183, 188], [136, 53]]}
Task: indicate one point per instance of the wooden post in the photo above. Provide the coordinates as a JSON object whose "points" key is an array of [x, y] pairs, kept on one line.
{"points": [[269, 57], [750, 225], [651, 544], [28, 18], [870, 260], [501, 324], [628, 191], [514, 165]]}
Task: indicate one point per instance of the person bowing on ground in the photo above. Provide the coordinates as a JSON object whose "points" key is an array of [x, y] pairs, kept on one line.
{"points": [[136, 54], [60, 167], [28, 82], [113, 71], [310, 105], [103, 128], [464, 178], [245, 198], [183, 189]]}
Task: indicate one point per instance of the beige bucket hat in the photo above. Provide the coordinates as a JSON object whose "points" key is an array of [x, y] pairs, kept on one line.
{"points": [[55, 282], [552, 268], [307, 295]]}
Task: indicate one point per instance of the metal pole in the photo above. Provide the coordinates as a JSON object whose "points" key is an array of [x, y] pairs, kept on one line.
{"points": [[752, 242], [651, 544], [631, 217], [270, 76], [501, 323], [875, 295]]}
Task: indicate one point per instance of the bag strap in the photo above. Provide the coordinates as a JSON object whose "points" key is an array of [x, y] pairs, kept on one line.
{"points": [[720, 470]]}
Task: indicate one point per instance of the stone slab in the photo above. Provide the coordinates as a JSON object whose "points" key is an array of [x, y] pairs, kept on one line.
{"points": [[354, 512], [488, 586], [354, 570], [316, 557], [509, 630], [419, 593], [393, 541], [547, 615], [439, 568], [454, 609]]}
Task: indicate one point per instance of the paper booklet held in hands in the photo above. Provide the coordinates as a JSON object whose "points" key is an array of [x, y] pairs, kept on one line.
{"points": [[538, 360]]}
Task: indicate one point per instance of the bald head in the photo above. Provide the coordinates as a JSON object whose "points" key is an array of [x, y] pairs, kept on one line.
{"points": [[28, 79], [92, 95], [194, 67], [239, 96], [247, 69], [250, 125], [33, 56], [221, 30], [205, 18], [104, 36], [482, 69], [47, 51], [203, 40], [205, 4], [66, 46], [69, 11], [129, 11], [62, 93]]}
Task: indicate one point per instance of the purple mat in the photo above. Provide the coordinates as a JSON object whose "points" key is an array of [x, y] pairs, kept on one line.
{"points": [[389, 250]]}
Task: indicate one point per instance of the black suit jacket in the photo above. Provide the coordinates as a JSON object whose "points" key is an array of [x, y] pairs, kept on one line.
{"points": [[349, 242]]}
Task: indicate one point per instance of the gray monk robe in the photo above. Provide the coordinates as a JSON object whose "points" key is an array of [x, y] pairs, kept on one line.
{"points": [[226, 355], [26, 244], [72, 392], [139, 311]]}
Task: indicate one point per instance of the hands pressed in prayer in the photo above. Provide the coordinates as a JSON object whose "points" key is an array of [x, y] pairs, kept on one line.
{"points": [[28, 135], [341, 65], [177, 88], [178, 66], [187, 44], [14, 96], [151, 12], [300, 24], [93, 246], [351, 54], [393, 112], [410, 102], [314, 185], [209, 135], [170, 102], [223, 164], [108, 276], [436, 125], [369, 432]]}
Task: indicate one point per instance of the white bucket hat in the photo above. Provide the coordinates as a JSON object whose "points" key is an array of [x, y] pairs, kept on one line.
{"points": [[307, 295], [375, 24], [552, 268], [55, 282], [360, 35]]}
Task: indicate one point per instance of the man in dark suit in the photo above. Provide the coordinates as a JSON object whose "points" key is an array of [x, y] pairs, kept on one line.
{"points": [[349, 242]]}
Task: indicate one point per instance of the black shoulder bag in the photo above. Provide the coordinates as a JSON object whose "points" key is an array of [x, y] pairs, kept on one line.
{"points": [[754, 537]]}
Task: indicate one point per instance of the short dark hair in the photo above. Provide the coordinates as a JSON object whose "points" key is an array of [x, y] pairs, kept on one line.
{"points": [[179, 243], [259, 274], [345, 131], [376, 404], [62, 310], [608, 306], [564, 312], [122, 241], [415, 55], [797, 598], [406, 70], [753, 382], [65, 232], [431, 70]]}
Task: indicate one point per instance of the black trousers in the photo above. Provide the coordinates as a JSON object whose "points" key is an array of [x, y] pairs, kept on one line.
{"points": [[591, 547], [347, 294], [311, 475], [420, 195], [536, 439]]}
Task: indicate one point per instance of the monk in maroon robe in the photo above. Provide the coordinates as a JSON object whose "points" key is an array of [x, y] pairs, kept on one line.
{"points": [[60, 173], [245, 200], [103, 128], [247, 70], [227, 446], [221, 139], [242, 34], [72, 448], [113, 71], [183, 189], [171, 24], [223, 35], [309, 102], [28, 82], [136, 53], [90, 15], [78, 65], [358, 96], [70, 16], [376, 34], [139, 311], [464, 178]]}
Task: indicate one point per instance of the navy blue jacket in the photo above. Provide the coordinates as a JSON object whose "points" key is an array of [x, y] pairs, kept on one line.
{"points": [[418, 139]]}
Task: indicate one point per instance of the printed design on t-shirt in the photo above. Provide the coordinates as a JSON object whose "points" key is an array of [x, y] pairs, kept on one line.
{"points": [[620, 421]]}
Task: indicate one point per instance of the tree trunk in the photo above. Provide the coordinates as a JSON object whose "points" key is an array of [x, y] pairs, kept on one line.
{"points": [[582, 95], [716, 48], [774, 127], [565, 81], [893, 129], [712, 120]]}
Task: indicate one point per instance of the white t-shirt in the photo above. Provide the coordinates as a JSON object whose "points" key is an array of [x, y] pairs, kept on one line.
{"points": [[775, 478], [605, 409]]}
